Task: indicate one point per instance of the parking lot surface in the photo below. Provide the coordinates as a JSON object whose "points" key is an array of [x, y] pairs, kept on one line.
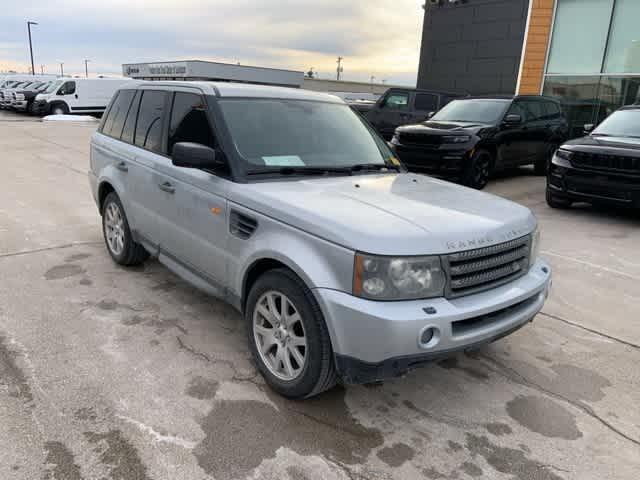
{"points": [[114, 373]]}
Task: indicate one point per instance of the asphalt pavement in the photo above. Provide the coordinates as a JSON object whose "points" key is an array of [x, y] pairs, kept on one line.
{"points": [[131, 374]]}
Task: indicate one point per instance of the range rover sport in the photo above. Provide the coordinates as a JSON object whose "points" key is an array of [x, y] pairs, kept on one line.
{"points": [[289, 206]]}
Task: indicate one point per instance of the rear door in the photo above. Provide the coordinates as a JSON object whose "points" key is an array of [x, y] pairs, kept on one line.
{"points": [[195, 204], [424, 104]]}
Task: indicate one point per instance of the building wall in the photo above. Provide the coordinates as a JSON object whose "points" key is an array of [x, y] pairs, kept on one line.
{"points": [[473, 46], [537, 43]]}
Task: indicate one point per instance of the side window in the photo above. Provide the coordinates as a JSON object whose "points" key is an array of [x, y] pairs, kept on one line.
{"points": [[149, 125], [517, 108], [426, 102], [129, 130], [67, 88], [552, 110], [396, 100], [189, 122], [535, 110], [118, 113]]}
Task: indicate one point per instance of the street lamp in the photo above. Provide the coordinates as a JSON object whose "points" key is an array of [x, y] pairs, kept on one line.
{"points": [[62, 69], [33, 69], [86, 68]]}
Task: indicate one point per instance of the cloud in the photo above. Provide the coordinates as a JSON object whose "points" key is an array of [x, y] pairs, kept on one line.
{"points": [[376, 37]]}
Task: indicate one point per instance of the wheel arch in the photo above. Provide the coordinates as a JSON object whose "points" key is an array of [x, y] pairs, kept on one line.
{"points": [[55, 103]]}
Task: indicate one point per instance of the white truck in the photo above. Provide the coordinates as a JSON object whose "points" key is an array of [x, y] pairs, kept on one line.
{"points": [[77, 95]]}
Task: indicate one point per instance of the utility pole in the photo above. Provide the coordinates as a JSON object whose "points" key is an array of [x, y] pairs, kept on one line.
{"points": [[340, 69], [86, 68], [42, 69], [373, 77], [33, 69], [62, 69]]}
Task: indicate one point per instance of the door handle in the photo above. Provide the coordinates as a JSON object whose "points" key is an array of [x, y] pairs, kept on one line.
{"points": [[76, 95], [167, 187], [122, 166]]}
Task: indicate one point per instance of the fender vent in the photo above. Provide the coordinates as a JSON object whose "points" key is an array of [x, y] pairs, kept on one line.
{"points": [[241, 225]]}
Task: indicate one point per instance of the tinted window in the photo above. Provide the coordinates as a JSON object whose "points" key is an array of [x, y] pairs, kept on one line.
{"points": [[397, 100], [149, 126], [483, 111], [68, 88], [535, 109], [426, 102], [129, 130], [518, 108], [118, 113], [552, 110], [189, 122]]}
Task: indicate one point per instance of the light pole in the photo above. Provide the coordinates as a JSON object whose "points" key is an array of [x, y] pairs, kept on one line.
{"points": [[340, 69], [86, 68], [42, 69], [33, 69], [62, 69]]}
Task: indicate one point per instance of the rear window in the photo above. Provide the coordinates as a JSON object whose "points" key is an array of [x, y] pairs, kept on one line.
{"points": [[149, 126], [118, 113]]}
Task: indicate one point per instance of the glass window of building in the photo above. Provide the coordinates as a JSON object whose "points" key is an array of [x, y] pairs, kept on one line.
{"points": [[623, 52], [579, 36]]}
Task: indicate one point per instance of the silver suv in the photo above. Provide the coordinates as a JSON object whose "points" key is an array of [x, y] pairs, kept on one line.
{"points": [[289, 206]]}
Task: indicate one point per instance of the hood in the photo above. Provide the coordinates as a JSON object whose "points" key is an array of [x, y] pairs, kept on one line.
{"points": [[601, 144], [433, 127], [390, 214]]}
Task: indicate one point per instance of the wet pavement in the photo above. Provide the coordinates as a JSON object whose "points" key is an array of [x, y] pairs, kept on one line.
{"points": [[128, 374]]}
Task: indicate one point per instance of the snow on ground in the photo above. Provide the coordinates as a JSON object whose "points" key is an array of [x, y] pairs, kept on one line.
{"points": [[69, 118]]}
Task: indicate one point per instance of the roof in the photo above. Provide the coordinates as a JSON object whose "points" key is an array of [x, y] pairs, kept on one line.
{"points": [[508, 97], [245, 90]]}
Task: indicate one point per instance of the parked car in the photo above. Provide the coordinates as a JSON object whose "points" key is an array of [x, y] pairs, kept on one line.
{"points": [[403, 106], [289, 206], [82, 95], [471, 137], [601, 167], [6, 94], [22, 99], [361, 106]]}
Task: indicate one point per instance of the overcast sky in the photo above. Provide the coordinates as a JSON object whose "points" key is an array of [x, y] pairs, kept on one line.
{"points": [[375, 37]]}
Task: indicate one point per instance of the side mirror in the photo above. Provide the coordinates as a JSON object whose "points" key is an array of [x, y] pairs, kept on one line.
{"points": [[195, 155], [513, 119], [588, 127]]}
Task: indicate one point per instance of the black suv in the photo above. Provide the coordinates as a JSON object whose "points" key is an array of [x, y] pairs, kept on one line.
{"points": [[403, 106], [471, 137], [602, 167]]}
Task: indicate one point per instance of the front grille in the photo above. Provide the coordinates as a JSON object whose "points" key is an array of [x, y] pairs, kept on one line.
{"points": [[473, 271], [407, 138], [599, 161]]}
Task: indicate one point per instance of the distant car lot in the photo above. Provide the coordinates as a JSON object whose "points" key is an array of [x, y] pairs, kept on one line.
{"points": [[105, 372]]}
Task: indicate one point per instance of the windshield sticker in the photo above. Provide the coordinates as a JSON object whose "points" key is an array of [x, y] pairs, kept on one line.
{"points": [[395, 161], [284, 161]]}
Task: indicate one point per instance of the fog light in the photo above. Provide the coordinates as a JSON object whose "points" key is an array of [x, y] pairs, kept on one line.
{"points": [[427, 336]]}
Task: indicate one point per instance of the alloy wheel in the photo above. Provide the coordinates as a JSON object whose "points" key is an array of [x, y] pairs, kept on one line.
{"points": [[279, 335], [114, 228]]}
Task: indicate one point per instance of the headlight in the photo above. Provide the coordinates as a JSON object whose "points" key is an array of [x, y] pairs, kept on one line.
{"points": [[535, 246], [397, 278], [564, 154], [456, 139]]}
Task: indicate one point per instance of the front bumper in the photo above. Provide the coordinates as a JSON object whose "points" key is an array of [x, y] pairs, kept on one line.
{"points": [[21, 105], [444, 160], [377, 340], [593, 186]]}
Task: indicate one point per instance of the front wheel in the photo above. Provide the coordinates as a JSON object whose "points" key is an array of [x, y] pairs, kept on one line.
{"points": [[59, 109], [478, 170], [288, 336]]}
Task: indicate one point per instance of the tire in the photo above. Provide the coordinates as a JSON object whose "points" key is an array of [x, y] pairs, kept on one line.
{"points": [[478, 170], [555, 202], [541, 166], [117, 235], [59, 109], [266, 340]]}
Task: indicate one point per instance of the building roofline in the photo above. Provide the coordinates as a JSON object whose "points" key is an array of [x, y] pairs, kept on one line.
{"points": [[213, 63]]}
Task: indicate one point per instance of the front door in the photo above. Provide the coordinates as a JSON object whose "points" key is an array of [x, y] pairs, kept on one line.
{"points": [[391, 112], [194, 202], [513, 138]]}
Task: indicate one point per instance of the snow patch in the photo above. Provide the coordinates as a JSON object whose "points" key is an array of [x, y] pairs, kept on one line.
{"points": [[69, 118]]}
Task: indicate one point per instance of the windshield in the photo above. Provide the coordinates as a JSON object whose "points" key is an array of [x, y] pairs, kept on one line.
{"points": [[43, 87], [301, 133], [480, 111], [623, 123], [51, 88]]}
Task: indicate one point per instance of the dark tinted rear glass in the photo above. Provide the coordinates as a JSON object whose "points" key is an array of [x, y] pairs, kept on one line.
{"points": [[129, 130], [149, 126], [118, 113], [426, 102]]}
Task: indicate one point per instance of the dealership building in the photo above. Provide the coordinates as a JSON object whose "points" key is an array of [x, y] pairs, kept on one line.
{"points": [[584, 52]]}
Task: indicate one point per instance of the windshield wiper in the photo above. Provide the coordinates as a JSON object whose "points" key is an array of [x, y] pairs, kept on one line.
{"points": [[288, 170]]}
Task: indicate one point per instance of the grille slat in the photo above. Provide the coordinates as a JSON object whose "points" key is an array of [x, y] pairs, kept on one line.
{"points": [[241, 225], [600, 161], [477, 270]]}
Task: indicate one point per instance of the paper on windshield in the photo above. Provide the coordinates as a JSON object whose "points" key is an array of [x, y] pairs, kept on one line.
{"points": [[284, 161]]}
